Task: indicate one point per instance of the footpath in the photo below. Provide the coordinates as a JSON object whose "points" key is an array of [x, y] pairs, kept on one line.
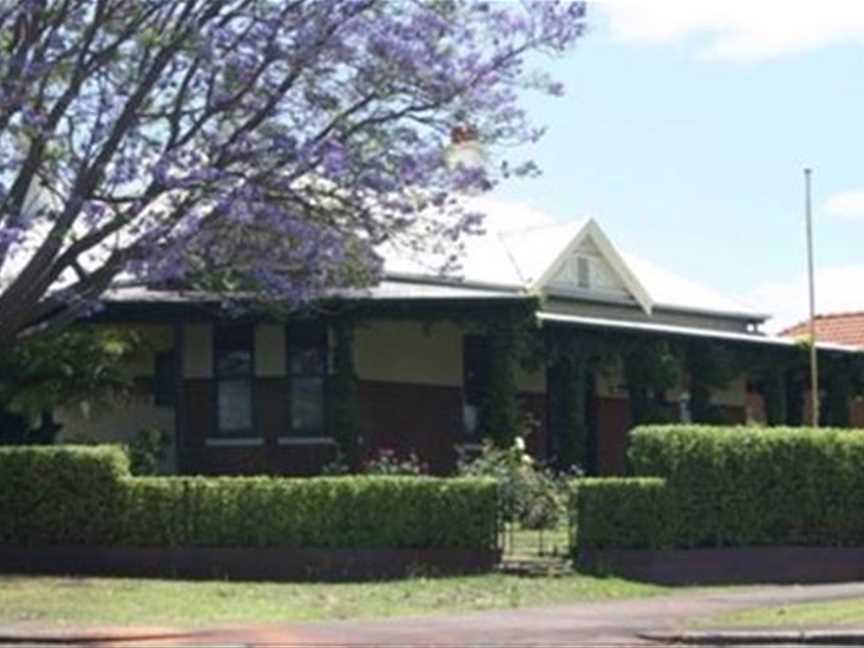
{"points": [[630, 622]]}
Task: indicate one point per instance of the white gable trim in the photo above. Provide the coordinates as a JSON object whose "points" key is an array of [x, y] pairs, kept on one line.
{"points": [[591, 230]]}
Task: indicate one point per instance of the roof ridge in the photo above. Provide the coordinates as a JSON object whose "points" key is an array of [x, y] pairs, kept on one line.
{"points": [[533, 228]]}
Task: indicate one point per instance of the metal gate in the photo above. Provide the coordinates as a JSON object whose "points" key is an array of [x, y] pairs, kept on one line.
{"points": [[534, 551]]}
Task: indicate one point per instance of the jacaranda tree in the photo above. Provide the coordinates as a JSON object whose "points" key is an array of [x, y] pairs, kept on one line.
{"points": [[261, 146]]}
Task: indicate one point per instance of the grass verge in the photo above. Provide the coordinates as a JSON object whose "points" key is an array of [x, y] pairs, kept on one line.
{"points": [[841, 612], [52, 601]]}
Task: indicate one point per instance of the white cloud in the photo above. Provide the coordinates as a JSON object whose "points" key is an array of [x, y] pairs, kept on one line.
{"points": [[849, 204], [740, 30], [838, 289]]}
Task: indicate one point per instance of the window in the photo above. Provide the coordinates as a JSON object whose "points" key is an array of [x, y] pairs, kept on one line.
{"points": [[232, 361], [164, 387], [307, 372], [475, 381], [583, 272]]}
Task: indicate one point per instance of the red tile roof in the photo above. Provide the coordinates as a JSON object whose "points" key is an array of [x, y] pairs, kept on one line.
{"points": [[841, 328]]}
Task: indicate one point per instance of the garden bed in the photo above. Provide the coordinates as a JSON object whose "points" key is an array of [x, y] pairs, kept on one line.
{"points": [[246, 563]]}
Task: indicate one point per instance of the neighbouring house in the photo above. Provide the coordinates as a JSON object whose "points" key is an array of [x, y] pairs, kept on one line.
{"points": [[839, 328], [836, 328], [547, 329]]}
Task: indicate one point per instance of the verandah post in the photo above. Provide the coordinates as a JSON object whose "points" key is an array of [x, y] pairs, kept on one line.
{"points": [[574, 388], [501, 418], [774, 392], [343, 391]]}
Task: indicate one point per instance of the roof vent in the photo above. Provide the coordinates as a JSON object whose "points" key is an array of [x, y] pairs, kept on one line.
{"points": [[583, 272]]}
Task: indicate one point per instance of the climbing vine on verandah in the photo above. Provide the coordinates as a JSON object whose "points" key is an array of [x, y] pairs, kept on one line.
{"points": [[343, 420], [649, 364]]}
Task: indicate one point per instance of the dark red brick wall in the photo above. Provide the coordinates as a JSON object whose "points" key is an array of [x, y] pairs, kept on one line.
{"points": [[267, 459], [402, 417], [733, 415], [856, 413], [407, 418], [613, 423], [427, 419], [273, 420]]}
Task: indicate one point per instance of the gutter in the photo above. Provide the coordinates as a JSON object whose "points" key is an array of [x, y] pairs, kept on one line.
{"points": [[687, 331]]}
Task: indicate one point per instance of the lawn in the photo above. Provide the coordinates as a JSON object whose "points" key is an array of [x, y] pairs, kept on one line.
{"points": [[842, 612], [119, 601]]}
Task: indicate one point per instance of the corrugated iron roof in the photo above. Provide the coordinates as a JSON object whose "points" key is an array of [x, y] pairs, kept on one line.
{"points": [[404, 289], [520, 243]]}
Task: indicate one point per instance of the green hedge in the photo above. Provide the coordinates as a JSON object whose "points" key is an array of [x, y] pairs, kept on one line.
{"points": [[622, 513], [52, 495], [366, 511], [85, 495], [739, 486]]}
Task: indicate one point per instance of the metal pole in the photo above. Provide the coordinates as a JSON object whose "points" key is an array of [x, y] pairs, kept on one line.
{"points": [[814, 366]]}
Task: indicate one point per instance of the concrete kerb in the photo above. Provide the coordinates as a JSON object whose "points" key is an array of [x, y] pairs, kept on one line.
{"points": [[758, 637], [95, 637]]}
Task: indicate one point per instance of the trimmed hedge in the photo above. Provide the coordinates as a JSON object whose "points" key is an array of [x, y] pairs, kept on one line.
{"points": [[741, 486], [712, 486], [54, 495], [75, 495], [621, 513], [393, 512]]}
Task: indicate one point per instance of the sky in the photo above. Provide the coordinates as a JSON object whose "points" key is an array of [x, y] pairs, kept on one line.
{"points": [[685, 129]]}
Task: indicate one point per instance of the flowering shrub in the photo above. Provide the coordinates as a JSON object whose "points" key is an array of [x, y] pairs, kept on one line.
{"points": [[528, 493], [388, 463], [264, 147]]}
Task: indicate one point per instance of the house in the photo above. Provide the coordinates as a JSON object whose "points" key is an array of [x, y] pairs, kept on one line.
{"points": [[839, 328], [548, 316], [836, 328]]}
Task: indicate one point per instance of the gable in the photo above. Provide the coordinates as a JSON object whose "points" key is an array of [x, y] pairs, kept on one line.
{"points": [[591, 266], [585, 269]]}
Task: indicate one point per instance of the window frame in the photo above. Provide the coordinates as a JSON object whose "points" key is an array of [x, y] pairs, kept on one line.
{"points": [[246, 436], [321, 333]]}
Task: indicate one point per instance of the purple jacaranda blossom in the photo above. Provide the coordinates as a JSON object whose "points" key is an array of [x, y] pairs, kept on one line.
{"points": [[265, 147]]}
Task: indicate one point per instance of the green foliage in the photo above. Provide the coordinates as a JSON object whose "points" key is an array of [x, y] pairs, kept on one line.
{"points": [[342, 409], [838, 382], [73, 495], [54, 495], [774, 391], [81, 367], [795, 383], [527, 493], [500, 413], [710, 365], [379, 511], [739, 486], [147, 450], [649, 367], [573, 434], [622, 513]]}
